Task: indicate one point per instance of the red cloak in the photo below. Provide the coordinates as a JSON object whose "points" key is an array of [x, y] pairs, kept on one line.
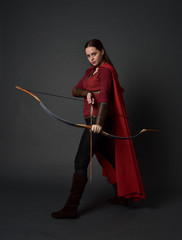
{"points": [[126, 173]]}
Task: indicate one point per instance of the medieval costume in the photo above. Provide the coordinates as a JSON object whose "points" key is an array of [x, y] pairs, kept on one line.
{"points": [[117, 157]]}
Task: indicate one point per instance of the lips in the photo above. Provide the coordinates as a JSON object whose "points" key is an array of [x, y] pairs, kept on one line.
{"points": [[93, 62]]}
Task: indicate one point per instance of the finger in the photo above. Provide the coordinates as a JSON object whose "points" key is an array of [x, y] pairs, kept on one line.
{"points": [[98, 129], [89, 98], [94, 128]]}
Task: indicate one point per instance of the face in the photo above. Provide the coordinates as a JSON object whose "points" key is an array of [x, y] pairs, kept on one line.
{"points": [[94, 56]]}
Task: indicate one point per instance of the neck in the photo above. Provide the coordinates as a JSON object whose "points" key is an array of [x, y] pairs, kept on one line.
{"points": [[100, 64]]}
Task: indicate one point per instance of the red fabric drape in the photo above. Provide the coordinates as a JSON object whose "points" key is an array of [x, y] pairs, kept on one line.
{"points": [[126, 173]]}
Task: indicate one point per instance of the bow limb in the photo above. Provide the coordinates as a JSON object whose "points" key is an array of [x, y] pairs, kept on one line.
{"points": [[80, 125], [51, 113], [130, 137], [26, 91]]}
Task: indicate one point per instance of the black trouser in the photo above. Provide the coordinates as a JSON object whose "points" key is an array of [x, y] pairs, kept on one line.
{"points": [[99, 142]]}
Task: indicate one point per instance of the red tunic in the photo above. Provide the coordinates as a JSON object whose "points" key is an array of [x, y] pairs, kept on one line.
{"points": [[102, 82], [126, 173]]}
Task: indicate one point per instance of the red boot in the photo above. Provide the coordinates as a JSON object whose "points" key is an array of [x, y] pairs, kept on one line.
{"points": [[70, 208], [118, 200]]}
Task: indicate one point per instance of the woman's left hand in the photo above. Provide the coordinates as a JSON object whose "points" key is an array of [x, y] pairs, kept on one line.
{"points": [[96, 128]]}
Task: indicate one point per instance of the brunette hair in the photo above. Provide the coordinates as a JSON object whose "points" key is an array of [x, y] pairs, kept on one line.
{"points": [[98, 44]]}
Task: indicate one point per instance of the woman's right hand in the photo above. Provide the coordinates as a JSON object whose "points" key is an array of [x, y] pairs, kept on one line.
{"points": [[90, 98]]}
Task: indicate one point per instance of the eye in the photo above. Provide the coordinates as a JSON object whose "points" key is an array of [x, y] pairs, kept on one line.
{"points": [[94, 53]]}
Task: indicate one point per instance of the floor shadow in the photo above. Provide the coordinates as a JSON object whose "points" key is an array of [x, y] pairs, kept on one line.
{"points": [[154, 200]]}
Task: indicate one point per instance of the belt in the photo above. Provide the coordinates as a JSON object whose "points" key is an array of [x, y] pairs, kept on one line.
{"points": [[96, 92]]}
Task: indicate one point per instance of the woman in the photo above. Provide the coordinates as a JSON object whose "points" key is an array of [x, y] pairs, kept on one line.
{"points": [[100, 88]]}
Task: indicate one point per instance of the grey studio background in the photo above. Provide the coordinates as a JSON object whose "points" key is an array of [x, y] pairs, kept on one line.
{"points": [[42, 49]]}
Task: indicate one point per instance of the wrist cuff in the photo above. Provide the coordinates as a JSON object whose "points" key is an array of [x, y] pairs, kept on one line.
{"points": [[102, 113]]}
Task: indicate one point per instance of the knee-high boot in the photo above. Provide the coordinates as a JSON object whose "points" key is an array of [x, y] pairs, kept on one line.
{"points": [[70, 208], [118, 200]]}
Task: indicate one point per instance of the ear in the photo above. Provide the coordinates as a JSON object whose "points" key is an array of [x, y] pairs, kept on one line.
{"points": [[102, 52]]}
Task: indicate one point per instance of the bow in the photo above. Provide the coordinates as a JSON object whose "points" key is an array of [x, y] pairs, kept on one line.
{"points": [[78, 124]]}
